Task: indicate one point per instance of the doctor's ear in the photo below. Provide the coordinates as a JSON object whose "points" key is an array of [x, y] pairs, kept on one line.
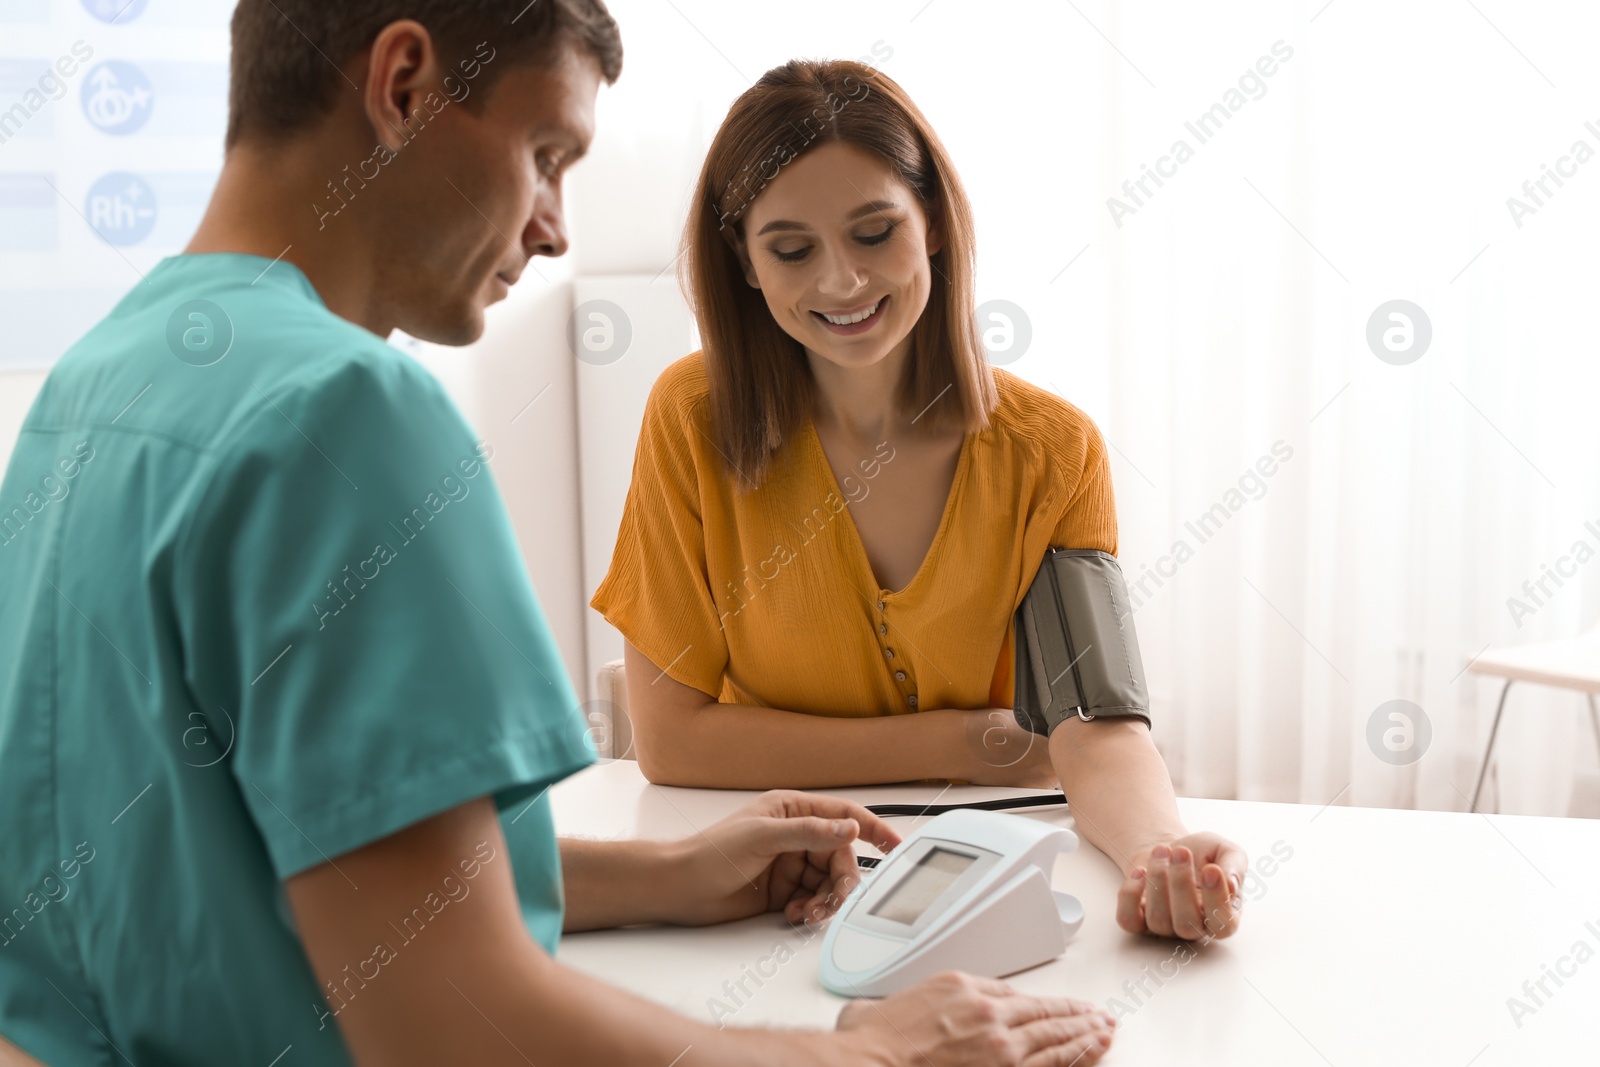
{"points": [[400, 67]]}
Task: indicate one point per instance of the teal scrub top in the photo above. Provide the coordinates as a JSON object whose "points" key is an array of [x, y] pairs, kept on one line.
{"points": [[262, 605]]}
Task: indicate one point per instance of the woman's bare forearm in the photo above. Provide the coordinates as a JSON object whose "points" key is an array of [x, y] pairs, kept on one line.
{"points": [[736, 746], [1117, 785]]}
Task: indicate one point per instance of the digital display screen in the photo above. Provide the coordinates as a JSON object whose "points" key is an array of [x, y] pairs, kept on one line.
{"points": [[934, 873]]}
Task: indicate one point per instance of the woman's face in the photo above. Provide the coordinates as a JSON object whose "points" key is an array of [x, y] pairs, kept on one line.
{"points": [[837, 234]]}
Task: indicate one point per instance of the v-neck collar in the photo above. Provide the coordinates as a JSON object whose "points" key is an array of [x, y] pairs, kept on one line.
{"points": [[863, 564]]}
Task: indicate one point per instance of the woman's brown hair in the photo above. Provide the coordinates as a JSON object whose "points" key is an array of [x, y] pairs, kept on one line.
{"points": [[761, 387]]}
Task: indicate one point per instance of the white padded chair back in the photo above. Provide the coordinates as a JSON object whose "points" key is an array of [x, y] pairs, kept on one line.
{"points": [[608, 720]]}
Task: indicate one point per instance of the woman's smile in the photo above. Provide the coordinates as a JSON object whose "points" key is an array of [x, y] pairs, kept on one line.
{"points": [[850, 323]]}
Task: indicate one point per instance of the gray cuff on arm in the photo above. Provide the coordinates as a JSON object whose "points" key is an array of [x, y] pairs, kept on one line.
{"points": [[1076, 650]]}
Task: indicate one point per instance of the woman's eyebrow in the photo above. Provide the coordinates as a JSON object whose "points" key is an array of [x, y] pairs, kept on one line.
{"points": [[865, 209]]}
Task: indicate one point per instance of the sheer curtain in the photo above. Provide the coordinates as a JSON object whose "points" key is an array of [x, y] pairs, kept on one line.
{"points": [[1409, 497]]}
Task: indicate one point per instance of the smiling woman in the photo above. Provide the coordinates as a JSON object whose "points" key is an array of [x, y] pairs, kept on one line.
{"points": [[836, 308]]}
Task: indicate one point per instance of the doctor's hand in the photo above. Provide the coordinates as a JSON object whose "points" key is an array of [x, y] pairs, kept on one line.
{"points": [[958, 1020], [1188, 887], [785, 851]]}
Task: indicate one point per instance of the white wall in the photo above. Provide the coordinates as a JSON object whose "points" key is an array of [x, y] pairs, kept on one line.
{"points": [[612, 389]]}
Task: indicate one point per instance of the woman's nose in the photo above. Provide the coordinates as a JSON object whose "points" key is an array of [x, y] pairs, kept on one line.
{"points": [[841, 276]]}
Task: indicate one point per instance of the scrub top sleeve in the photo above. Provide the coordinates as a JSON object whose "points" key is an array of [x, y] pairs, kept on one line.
{"points": [[1089, 519], [657, 591], [356, 620]]}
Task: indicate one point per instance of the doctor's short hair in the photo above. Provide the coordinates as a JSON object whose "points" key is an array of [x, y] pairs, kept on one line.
{"points": [[760, 382], [289, 55]]}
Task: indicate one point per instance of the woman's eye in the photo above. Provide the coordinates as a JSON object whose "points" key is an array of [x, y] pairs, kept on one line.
{"points": [[866, 239]]}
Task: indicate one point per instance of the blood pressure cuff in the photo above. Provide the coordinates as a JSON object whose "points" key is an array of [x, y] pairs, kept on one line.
{"points": [[1076, 652]]}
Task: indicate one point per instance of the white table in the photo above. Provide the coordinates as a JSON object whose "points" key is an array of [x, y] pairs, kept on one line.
{"points": [[1384, 937]]}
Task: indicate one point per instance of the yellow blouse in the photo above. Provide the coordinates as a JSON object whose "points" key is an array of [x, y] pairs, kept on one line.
{"points": [[767, 598]]}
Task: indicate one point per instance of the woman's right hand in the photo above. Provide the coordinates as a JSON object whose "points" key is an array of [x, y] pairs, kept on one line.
{"points": [[1001, 752], [956, 1020]]}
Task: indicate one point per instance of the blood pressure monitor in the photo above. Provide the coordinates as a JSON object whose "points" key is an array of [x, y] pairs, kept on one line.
{"points": [[968, 891]]}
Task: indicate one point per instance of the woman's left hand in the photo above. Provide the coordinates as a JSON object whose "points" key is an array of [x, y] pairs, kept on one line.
{"points": [[785, 851], [1188, 887]]}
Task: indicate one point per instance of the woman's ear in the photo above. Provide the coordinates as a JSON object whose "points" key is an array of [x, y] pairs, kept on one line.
{"points": [[744, 262], [935, 236]]}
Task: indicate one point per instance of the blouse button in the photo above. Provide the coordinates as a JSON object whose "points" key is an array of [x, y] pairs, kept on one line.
{"points": [[881, 605], [900, 676], [888, 653], [883, 627], [912, 700]]}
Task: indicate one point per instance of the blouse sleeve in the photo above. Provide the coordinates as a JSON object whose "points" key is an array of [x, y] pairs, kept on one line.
{"points": [[1090, 517], [657, 591]]}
